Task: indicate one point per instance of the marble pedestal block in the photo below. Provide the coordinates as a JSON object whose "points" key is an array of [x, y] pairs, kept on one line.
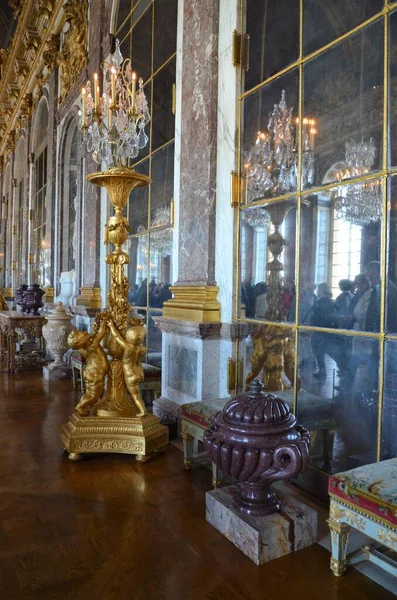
{"points": [[57, 373], [263, 539]]}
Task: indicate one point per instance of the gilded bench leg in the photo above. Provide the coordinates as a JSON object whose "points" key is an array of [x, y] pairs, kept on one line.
{"points": [[328, 445], [339, 542], [74, 382], [188, 448], [217, 476]]}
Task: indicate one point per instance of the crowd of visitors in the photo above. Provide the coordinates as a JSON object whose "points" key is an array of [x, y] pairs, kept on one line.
{"points": [[356, 308], [158, 294]]}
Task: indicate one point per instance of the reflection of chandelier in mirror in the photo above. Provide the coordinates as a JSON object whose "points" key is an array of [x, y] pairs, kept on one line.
{"points": [[257, 218], [162, 216], [361, 203], [271, 165], [161, 240]]}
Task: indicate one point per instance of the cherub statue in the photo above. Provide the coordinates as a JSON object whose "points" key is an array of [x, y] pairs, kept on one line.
{"points": [[274, 353], [133, 351], [96, 367]]}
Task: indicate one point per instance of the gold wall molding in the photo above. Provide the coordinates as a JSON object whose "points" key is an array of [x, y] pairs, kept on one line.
{"points": [[196, 303], [73, 57]]}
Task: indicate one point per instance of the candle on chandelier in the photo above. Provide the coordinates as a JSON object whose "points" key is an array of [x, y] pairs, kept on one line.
{"points": [[110, 112], [113, 84], [83, 99], [96, 90], [133, 90]]}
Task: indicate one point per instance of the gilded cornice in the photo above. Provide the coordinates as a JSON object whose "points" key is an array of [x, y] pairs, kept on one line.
{"points": [[31, 56]]}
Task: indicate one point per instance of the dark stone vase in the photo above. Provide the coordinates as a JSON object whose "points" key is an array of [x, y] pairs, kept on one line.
{"points": [[34, 295], [20, 298], [256, 440]]}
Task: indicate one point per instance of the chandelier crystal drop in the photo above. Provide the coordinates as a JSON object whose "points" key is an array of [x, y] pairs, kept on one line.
{"points": [[271, 164], [113, 124], [359, 203]]}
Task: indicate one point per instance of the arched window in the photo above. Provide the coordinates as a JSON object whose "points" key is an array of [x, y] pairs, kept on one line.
{"points": [[4, 241], [18, 213], [68, 224], [41, 253]]}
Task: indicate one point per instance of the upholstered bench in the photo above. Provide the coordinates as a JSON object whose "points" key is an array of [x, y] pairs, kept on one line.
{"points": [[77, 363], [196, 417], [151, 385], [364, 498]]}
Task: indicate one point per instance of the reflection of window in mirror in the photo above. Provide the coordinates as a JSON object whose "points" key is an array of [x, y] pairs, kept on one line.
{"points": [[322, 242], [346, 251]]}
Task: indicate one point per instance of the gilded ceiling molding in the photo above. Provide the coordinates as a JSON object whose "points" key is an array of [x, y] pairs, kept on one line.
{"points": [[23, 70]]}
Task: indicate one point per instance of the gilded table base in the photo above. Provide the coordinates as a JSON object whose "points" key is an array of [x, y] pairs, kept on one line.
{"points": [[142, 436]]}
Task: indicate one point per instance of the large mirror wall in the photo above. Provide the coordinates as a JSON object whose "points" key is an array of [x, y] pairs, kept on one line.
{"points": [[317, 246], [147, 33]]}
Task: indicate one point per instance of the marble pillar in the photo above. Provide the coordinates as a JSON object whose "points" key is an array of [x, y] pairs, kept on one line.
{"points": [[195, 292], [198, 333]]}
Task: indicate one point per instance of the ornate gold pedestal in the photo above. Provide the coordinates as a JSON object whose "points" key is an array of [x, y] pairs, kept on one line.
{"points": [[142, 436], [116, 420]]}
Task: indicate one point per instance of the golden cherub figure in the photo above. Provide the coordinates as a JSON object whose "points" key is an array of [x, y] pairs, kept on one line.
{"points": [[96, 367], [133, 351]]}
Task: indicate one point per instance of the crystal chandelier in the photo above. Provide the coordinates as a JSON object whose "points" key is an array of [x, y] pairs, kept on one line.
{"points": [[359, 203], [113, 124], [257, 218], [271, 165]]}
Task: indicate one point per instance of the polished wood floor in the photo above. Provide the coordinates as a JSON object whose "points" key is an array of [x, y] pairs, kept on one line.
{"points": [[110, 528]]}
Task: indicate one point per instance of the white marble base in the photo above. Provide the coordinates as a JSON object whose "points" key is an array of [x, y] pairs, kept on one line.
{"points": [[263, 539], [57, 373]]}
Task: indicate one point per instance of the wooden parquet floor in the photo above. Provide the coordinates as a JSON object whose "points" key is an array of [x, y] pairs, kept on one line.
{"points": [[110, 528]]}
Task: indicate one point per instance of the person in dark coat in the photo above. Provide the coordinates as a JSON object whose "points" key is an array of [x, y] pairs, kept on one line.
{"points": [[323, 315]]}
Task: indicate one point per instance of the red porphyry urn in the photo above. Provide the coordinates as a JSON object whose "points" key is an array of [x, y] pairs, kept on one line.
{"points": [[255, 439]]}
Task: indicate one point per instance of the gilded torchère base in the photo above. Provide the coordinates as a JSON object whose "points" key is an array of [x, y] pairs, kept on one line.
{"points": [[142, 436]]}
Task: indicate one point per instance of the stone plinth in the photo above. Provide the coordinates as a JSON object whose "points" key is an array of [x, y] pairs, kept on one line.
{"points": [[263, 539], [57, 373]]}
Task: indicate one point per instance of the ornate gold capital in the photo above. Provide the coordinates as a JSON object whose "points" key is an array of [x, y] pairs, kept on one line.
{"points": [[196, 303]]}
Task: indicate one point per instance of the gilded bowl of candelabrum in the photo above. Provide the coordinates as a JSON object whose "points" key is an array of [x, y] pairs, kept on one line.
{"points": [[118, 230], [256, 440]]}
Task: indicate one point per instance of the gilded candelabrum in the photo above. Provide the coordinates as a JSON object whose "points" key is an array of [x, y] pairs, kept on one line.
{"points": [[111, 416], [273, 345]]}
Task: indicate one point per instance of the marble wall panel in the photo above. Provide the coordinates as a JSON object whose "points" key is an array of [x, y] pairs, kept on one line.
{"points": [[182, 370]]}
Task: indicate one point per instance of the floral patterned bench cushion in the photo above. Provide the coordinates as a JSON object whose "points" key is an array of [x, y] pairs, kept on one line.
{"points": [[203, 413], [372, 488], [76, 357]]}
